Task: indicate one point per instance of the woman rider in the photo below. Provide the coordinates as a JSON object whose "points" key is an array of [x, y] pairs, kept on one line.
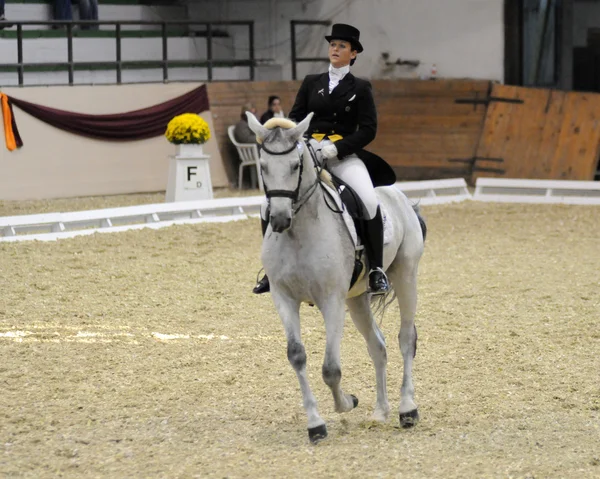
{"points": [[344, 122]]}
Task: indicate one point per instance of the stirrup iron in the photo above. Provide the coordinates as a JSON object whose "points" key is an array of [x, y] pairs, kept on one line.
{"points": [[378, 284]]}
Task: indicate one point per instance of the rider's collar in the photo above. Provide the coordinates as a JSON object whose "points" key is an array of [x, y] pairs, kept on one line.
{"points": [[338, 72]]}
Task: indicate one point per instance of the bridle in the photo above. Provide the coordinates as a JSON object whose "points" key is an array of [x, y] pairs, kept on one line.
{"points": [[293, 194]]}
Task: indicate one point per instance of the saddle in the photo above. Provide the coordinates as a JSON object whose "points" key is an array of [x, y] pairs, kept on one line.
{"points": [[353, 212]]}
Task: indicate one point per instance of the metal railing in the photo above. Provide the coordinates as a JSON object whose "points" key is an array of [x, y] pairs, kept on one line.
{"points": [[119, 64], [295, 57]]}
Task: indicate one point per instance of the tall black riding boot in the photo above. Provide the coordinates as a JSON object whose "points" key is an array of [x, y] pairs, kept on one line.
{"points": [[263, 285], [378, 282]]}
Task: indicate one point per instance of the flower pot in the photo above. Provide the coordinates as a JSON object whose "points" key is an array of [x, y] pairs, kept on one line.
{"points": [[189, 150]]}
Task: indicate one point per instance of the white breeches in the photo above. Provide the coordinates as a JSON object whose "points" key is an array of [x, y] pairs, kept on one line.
{"points": [[350, 170]]}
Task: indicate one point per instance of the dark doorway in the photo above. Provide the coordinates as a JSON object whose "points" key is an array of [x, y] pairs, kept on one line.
{"points": [[513, 42], [533, 34], [586, 63]]}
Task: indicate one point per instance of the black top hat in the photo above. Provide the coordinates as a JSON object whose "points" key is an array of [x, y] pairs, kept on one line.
{"points": [[341, 31]]}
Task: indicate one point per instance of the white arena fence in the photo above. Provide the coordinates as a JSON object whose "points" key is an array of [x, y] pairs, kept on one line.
{"points": [[537, 191], [53, 226]]}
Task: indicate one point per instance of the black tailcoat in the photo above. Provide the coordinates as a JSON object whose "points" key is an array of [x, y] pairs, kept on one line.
{"points": [[349, 112]]}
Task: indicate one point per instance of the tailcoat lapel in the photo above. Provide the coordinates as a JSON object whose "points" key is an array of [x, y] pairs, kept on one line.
{"points": [[343, 87]]}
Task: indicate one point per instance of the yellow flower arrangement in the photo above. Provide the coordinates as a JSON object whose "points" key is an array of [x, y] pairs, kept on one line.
{"points": [[188, 128]]}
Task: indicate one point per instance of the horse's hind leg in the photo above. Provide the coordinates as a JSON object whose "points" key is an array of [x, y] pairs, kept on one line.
{"points": [[334, 313], [360, 311], [289, 311], [404, 280]]}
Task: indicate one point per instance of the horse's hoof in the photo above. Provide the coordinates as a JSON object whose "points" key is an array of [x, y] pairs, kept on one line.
{"points": [[354, 400], [409, 419], [316, 434]]}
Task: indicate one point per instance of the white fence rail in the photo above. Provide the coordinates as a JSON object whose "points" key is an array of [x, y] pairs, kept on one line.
{"points": [[432, 192], [508, 190], [53, 226]]}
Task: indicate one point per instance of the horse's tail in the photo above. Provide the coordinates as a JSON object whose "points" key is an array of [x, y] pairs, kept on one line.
{"points": [[380, 303], [417, 209]]}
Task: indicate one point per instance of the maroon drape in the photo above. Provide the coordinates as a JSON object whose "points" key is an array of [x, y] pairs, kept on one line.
{"points": [[134, 125]]}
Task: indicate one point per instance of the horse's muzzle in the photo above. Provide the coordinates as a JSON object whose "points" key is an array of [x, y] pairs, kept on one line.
{"points": [[280, 223]]}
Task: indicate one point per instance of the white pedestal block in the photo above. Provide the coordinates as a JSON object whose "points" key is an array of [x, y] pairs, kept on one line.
{"points": [[189, 176]]}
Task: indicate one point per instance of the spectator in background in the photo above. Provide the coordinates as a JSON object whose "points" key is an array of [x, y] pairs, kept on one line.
{"points": [[273, 111], [62, 11], [88, 10], [3, 23], [242, 132]]}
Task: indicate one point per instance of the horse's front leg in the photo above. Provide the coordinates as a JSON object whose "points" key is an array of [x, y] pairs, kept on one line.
{"points": [[289, 312], [333, 309]]}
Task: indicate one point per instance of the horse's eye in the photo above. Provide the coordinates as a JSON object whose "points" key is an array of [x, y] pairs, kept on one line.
{"points": [[296, 166]]}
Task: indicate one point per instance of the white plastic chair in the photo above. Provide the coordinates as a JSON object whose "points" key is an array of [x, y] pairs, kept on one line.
{"points": [[248, 153]]}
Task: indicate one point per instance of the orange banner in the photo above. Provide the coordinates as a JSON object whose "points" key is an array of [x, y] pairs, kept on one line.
{"points": [[9, 134]]}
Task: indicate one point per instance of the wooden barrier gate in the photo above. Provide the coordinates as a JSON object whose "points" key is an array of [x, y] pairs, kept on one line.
{"points": [[454, 128], [550, 135]]}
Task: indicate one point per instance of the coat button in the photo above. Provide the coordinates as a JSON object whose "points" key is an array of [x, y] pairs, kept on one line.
{"points": [[332, 131], [335, 114]]}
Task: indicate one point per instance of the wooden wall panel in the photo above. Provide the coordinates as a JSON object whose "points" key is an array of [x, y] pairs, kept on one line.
{"points": [[551, 135], [420, 125]]}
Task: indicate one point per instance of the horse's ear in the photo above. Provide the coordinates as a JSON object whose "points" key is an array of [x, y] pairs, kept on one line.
{"points": [[259, 130], [296, 133]]}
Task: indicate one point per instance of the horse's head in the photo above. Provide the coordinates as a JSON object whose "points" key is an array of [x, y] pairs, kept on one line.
{"points": [[281, 162]]}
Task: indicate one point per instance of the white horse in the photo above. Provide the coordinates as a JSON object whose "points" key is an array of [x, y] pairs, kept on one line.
{"points": [[309, 256]]}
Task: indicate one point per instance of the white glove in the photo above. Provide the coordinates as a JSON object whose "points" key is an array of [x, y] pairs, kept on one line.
{"points": [[329, 151]]}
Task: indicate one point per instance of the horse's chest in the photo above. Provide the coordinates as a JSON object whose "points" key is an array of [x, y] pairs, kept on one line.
{"points": [[305, 261], [292, 256]]}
